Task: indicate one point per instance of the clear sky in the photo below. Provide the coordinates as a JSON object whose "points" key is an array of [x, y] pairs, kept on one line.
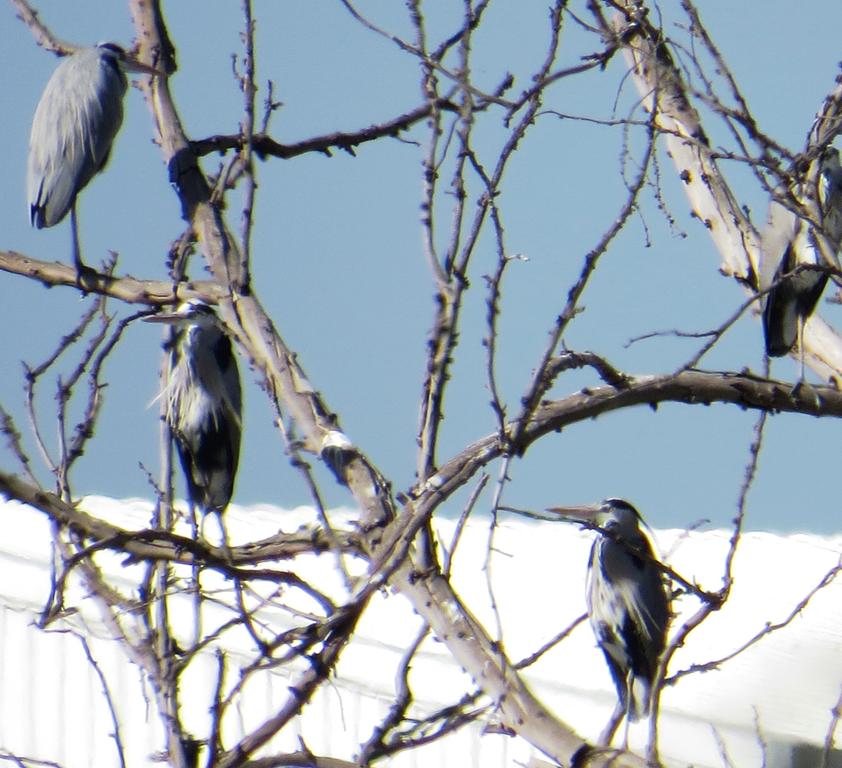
{"points": [[339, 261]]}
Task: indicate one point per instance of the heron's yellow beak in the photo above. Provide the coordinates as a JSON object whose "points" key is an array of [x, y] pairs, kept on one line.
{"points": [[579, 514], [173, 318], [133, 65]]}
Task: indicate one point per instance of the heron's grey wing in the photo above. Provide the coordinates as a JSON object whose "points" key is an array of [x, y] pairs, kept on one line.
{"points": [[796, 296], [637, 598], [233, 408], [74, 126], [779, 232], [830, 198], [656, 611], [214, 442], [784, 245], [209, 458], [608, 616], [216, 366], [640, 589], [780, 309], [227, 362]]}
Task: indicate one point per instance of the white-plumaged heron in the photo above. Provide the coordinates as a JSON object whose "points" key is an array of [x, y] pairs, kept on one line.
{"points": [[203, 403], [799, 276], [628, 603], [74, 125]]}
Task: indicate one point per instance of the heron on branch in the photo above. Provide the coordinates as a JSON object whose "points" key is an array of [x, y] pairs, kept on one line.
{"points": [[792, 248], [203, 403], [628, 603], [73, 129]]}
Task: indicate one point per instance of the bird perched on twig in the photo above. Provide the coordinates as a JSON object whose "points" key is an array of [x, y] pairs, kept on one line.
{"points": [[203, 404], [74, 125], [628, 603], [792, 250]]}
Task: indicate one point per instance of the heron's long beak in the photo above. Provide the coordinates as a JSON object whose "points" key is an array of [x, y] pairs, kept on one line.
{"points": [[579, 514], [172, 318], [133, 65]]}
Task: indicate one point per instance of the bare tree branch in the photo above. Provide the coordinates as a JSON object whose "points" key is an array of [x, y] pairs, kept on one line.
{"points": [[264, 146], [128, 289]]}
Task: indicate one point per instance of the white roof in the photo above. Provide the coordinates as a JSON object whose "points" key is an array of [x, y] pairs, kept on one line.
{"points": [[785, 685]]}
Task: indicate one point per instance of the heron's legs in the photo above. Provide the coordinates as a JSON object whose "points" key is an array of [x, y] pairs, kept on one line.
{"points": [[626, 736], [611, 726], [239, 593], [77, 253], [196, 530], [799, 335], [82, 271], [800, 327], [802, 384], [628, 708]]}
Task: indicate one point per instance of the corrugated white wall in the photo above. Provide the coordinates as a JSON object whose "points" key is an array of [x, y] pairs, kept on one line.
{"points": [[52, 707]]}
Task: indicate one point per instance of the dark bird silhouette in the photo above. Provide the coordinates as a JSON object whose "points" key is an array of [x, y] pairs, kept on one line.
{"points": [[203, 404], [628, 604], [799, 277]]}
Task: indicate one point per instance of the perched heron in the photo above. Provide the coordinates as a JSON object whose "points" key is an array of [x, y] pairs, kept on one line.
{"points": [[628, 603], [74, 126], [799, 278], [203, 404]]}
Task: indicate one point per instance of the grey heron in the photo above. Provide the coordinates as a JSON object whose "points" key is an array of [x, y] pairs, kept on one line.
{"points": [[628, 603], [203, 403], [74, 125], [799, 277]]}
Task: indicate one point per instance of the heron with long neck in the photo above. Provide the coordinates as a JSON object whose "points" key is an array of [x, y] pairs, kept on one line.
{"points": [[203, 404], [628, 603], [75, 122]]}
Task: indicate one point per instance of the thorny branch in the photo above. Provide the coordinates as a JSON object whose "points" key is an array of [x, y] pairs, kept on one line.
{"points": [[264, 146], [115, 722], [708, 607], [449, 299], [768, 629], [691, 387], [392, 534], [385, 737], [542, 379], [249, 89], [153, 293]]}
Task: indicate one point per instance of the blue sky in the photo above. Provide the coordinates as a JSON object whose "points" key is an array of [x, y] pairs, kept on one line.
{"points": [[339, 263]]}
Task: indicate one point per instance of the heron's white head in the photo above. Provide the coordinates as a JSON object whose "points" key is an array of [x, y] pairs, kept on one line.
{"points": [[618, 515], [117, 54], [612, 515], [191, 313]]}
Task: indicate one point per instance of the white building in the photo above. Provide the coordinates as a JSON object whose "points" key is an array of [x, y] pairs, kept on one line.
{"points": [[770, 705]]}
